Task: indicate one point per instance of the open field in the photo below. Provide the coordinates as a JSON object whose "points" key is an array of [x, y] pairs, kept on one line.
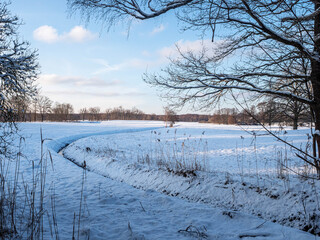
{"points": [[144, 181]]}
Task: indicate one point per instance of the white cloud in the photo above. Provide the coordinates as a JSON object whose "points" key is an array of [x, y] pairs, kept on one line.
{"points": [[158, 29], [53, 79], [46, 34], [79, 34], [49, 34]]}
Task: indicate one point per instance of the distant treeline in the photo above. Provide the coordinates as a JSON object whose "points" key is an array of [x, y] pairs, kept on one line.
{"points": [[31, 117], [268, 112]]}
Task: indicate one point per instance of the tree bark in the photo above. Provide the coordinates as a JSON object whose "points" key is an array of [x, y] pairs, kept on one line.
{"points": [[315, 80], [295, 115], [295, 122]]}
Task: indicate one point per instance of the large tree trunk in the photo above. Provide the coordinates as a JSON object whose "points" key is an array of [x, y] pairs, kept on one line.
{"points": [[315, 80], [316, 111], [270, 118], [316, 137], [295, 115], [295, 121]]}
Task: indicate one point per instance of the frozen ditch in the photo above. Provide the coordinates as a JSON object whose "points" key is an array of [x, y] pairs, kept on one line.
{"points": [[60, 145], [272, 199]]}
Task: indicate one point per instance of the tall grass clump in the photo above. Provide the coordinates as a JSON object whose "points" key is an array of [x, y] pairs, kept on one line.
{"points": [[22, 211], [175, 153]]}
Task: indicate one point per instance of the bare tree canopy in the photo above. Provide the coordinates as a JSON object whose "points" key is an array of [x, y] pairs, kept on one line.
{"points": [[170, 116], [62, 111], [278, 31], [18, 65], [279, 44], [44, 106], [18, 71]]}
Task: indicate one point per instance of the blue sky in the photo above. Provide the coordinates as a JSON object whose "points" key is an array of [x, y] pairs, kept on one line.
{"points": [[87, 66]]}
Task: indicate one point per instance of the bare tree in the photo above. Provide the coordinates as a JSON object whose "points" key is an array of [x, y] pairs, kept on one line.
{"points": [[94, 113], [124, 114], [271, 34], [44, 106], [136, 114], [62, 111], [83, 113], [108, 113], [268, 111], [292, 108], [35, 108], [21, 106], [170, 116], [18, 66], [18, 71]]}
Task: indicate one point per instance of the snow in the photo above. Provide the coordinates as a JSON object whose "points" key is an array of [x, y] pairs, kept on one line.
{"points": [[127, 197]]}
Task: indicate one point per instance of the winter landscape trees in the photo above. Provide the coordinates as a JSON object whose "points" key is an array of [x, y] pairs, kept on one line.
{"points": [[276, 39], [44, 105], [18, 71], [170, 116], [18, 65], [66, 178]]}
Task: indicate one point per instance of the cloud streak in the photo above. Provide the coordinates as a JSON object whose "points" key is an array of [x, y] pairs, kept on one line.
{"points": [[49, 34], [53, 79], [191, 46], [158, 29], [106, 67], [95, 94]]}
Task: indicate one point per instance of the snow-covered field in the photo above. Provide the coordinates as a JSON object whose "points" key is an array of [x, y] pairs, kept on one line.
{"points": [[144, 181]]}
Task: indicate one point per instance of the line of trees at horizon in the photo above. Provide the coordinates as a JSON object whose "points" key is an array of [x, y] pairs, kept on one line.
{"points": [[266, 112]]}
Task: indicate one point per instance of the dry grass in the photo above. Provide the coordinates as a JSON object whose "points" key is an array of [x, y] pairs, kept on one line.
{"points": [[175, 155], [23, 212], [22, 201]]}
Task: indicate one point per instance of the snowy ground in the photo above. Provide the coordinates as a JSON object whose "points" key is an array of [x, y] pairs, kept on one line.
{"points": [[238, 179]]}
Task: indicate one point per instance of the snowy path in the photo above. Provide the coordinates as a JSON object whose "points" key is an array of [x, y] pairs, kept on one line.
{"points": [[115, 210]]}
